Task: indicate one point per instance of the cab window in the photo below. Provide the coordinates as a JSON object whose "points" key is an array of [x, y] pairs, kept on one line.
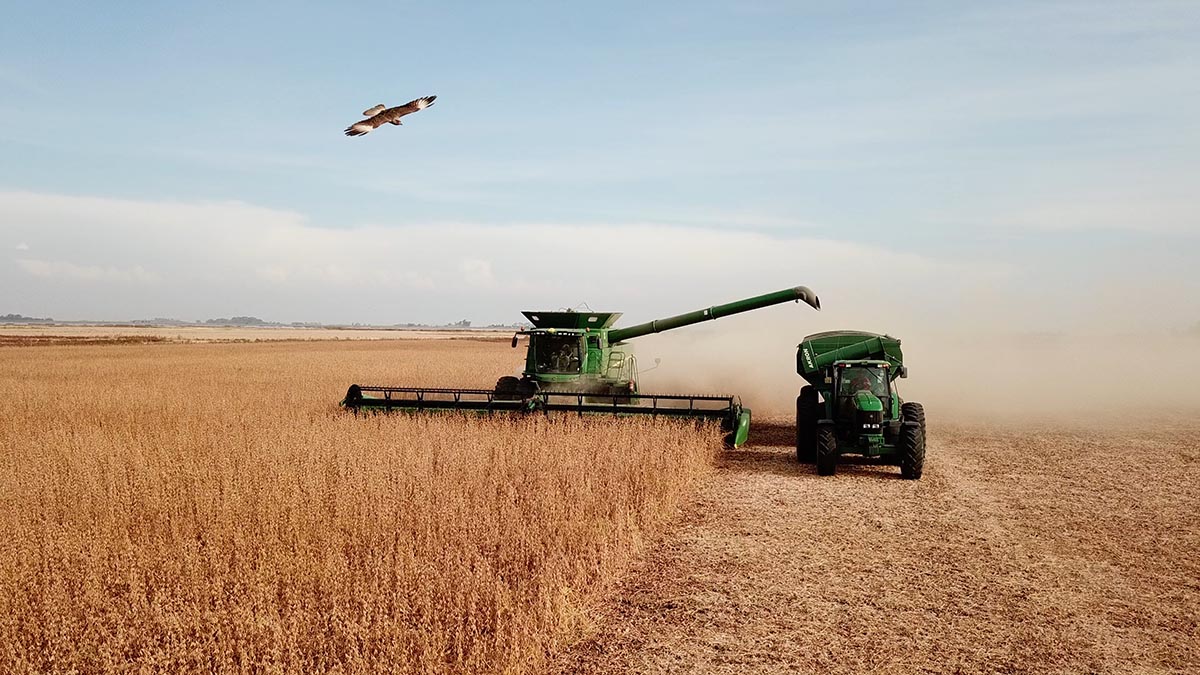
{"points": [[557, 354], [864, 379]]}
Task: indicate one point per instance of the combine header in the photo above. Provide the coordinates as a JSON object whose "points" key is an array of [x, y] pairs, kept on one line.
{"points": [[577, 362]]}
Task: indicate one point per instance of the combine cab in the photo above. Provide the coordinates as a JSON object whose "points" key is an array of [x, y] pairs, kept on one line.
{"points": [[851, 406], [577, 362]]}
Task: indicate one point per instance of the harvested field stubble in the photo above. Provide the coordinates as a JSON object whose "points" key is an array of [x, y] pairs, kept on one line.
{"points": [[179, 508], [1034, 548]]}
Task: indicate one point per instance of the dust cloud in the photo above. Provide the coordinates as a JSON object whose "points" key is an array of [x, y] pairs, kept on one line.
{"points": [[957, 370]]}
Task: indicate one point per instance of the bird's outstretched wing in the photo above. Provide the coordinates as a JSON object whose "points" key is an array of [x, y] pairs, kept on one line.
{"points": [[374, 111], [412, 106], [390, 115], [364, 127]]}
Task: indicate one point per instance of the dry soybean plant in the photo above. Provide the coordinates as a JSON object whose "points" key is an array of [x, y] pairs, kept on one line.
{"points": [[181, 508]]}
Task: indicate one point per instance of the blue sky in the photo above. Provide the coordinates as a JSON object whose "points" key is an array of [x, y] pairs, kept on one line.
{"points": [[188, 160]]}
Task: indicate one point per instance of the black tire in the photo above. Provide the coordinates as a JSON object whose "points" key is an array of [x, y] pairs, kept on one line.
{"points": [[914, 412], [622, 395], [827, 452], [912, 441], [508, 388], [807, 413]]}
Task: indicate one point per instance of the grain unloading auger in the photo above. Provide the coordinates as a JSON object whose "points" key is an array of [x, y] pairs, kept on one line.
{"points": [[578, 362]]}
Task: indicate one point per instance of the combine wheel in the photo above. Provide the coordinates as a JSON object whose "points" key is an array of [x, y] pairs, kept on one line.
{"points": [[827, 452], [912, 441], [807, 410], [622, 395], [508, 388]]}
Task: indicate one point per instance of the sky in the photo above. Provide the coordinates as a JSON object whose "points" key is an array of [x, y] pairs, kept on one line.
{"points": [[1024, 166]]}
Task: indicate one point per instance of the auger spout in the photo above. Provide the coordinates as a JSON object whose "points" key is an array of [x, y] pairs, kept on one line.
{"points": [[799, 293]]}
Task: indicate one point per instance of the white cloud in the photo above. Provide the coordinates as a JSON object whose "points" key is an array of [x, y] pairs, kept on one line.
{"points": [[223, 258], [273, 274], [63, 270], [22, 246], [477, 272]]}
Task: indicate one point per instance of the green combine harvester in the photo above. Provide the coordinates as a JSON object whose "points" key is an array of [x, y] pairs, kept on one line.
{"points": [[850, 404], [578, 362]]}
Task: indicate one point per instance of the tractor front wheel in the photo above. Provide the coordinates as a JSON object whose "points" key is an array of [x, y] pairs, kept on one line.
{"points": [[827, 451], [806, 425], [912, 442]]}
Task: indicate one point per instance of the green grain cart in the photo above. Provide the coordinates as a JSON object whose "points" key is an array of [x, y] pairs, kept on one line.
{"points": [[850, 404], [578, 362]]}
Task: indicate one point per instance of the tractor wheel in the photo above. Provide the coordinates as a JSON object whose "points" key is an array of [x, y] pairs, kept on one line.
{"points": [[807, 410], [508, 388], [912, 441], [827, 451], [914, 412]]}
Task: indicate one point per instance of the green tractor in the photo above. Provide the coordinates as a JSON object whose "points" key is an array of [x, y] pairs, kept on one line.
{"points": [[851, 406]]}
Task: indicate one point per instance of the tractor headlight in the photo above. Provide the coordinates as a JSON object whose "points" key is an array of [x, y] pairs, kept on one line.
{"points": [[870, 422]]}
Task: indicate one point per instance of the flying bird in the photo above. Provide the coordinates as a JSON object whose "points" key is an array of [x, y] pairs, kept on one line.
{"points": [[378, 116]]}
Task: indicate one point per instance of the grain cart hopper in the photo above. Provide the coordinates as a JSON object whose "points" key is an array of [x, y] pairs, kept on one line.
{"points": [[578, 362], [850, 404]]}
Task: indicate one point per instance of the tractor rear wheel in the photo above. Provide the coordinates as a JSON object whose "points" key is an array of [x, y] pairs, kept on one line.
{"points": [[806, 425], [827, 451], [912, 441]]}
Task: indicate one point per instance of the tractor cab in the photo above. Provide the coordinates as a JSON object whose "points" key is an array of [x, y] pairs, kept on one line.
{"points": [[865, 403]]}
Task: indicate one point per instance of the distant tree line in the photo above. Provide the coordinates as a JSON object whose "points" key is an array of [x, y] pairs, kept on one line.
{"points": [[20, 318], [255, 321], [240, 321]]}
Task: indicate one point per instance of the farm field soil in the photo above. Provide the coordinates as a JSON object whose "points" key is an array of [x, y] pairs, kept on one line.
{"points": [[1024, 549]]}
